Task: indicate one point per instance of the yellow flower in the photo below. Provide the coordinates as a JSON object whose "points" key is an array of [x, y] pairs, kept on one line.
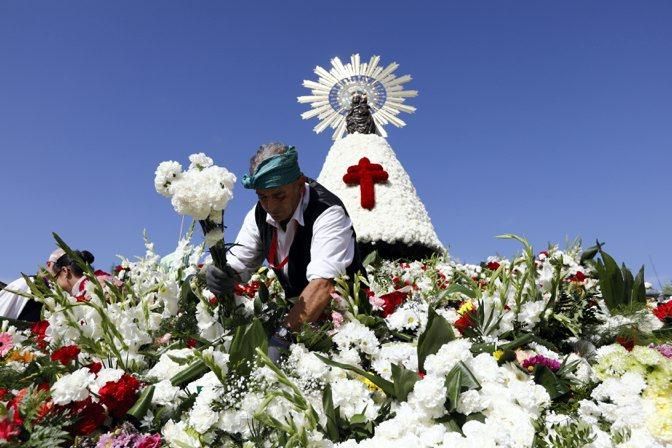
{"points": [[24, 357], [465, 307], [497, 354], [368, 383]]}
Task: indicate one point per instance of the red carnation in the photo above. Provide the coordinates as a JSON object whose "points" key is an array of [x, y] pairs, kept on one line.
{"points": [[65, 354], [94, 367], [8, 430], [579, 277], [392, 301], [39, 329], [492, 265], [627, 342], [191, 342], [91, 416], [664, 311], [466, 321], [119, 396]]}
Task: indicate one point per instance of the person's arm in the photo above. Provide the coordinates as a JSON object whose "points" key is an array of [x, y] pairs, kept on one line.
{"points": [[331, 252], [241, 261], [246, 256]]}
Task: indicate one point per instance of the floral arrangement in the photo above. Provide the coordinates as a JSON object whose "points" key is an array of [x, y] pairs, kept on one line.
{"points": [[545, 349], [557, 348]]}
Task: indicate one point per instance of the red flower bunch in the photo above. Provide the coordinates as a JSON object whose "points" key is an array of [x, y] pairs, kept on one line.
{"points": [[492, 265], [467, 321], [39, 329], [246, 289], [8, 429], [91, 416], [65, 354], [392, 301], [664, 311], [119, 396], [579, 277]]}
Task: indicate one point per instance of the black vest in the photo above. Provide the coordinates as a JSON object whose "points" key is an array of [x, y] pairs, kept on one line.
{"points": [[299, 252]]}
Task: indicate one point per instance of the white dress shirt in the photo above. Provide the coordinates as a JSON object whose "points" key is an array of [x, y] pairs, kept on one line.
{"points": [[332, 247], [12, 304]]}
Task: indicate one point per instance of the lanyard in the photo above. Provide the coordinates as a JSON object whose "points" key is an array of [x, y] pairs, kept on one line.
{"points": [[273, 253]]}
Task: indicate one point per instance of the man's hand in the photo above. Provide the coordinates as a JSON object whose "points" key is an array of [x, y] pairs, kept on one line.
{"points": [[312, 301], [221, 282]]}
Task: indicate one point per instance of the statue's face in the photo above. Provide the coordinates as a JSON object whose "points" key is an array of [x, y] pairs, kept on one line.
{"points": [[281, 202]]}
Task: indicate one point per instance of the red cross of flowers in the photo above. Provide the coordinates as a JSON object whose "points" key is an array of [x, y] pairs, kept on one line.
{"points": [[366, 174]]}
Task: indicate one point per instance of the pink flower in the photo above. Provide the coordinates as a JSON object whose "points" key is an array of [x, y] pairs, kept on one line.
{"points": [[336, 318], [149, 441], [376, 302], [6, 343], [537, 360]]}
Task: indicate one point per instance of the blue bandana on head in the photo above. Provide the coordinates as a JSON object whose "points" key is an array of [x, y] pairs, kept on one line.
{"points": [[276, 171]]}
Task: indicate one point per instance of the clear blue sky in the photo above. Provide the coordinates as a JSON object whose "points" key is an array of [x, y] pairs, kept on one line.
{"points": [[548, 119]]}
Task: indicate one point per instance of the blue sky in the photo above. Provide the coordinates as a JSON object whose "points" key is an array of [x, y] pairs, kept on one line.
{"points": [[551, 120]]}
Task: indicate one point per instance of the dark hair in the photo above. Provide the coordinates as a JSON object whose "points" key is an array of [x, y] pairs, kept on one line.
{"points": [[66, 261]]}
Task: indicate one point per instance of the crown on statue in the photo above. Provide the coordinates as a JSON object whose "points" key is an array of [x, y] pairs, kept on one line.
{"points": [[357, 97]]}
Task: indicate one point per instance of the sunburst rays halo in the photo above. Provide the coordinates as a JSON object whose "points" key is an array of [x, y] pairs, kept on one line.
{"points": [[331, 94]]}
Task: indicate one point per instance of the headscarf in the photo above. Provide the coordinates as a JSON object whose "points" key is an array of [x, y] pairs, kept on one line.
{"points": [[276, 171]]}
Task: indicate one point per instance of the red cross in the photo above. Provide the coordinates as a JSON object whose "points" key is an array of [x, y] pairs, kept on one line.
{"points": [[366, 174]]}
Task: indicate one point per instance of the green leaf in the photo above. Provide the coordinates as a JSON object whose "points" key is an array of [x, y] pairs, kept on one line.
{"points": [[332, 415], [437, 333], [628, 281], [638, 288], [141, 406], [245, 341], [191, 373], [461, 289], [404, 380], [590, 253], [383, 384], [458, 380], [553, 385], [611, 281], [371, 259]]}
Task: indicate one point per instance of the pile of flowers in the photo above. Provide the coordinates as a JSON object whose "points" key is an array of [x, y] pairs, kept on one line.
{"points": [[545, 349], [557, 348]]}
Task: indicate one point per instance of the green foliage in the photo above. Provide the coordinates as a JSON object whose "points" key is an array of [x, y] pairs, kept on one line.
{"points": [[246, 340], [437, 333], [620, 290], [383, 384], [403, 380], [573, 434], [459, 379]]}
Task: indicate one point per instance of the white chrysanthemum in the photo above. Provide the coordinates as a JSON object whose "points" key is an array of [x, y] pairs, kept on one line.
{"points": [[306, 365], [165, 394], [202, 417], [400, 353], [429, 396], [166, 173], [213, 237], [166, 368], [178, 435], [72, 387], [448, 355], [199, 193], [199, 160], [409, 316], [356, 335], [352, 397]]}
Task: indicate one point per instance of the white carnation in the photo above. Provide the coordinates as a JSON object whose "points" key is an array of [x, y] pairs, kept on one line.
{"points": [[73, 387], [165, 174]]}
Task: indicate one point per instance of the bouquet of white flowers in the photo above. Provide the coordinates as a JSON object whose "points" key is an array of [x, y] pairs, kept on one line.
{"points": [[203, 192]]}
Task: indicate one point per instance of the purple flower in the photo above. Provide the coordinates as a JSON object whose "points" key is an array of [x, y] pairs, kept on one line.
{"points": [[665, 350], [537, 360]]}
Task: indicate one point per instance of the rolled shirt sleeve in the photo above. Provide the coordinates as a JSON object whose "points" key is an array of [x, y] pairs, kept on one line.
{"points": [[333, 245], [247, 256]]}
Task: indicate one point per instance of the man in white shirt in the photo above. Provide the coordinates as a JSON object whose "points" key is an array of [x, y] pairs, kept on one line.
{"points": [[300, 228], [15, 306]]}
